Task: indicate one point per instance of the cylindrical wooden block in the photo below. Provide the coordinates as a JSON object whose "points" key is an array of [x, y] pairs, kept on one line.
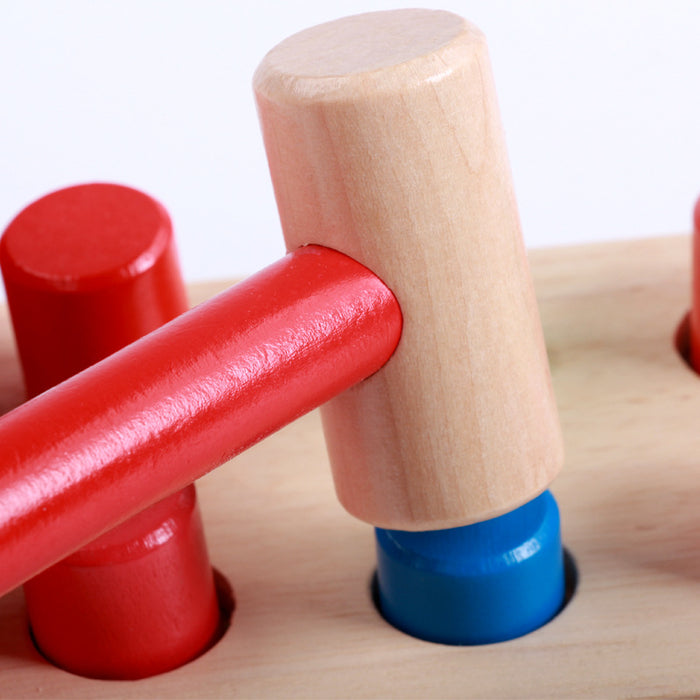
{"points": [[384, 142]]}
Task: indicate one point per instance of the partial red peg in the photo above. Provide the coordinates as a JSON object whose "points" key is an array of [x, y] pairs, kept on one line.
{"points": [[694, 316], [88, 270]]}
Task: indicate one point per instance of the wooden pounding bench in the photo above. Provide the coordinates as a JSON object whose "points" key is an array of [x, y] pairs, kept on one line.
{"points": [[301, 568]]}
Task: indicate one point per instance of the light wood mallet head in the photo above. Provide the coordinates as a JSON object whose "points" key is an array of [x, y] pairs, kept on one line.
{"points": [[384, 142]]}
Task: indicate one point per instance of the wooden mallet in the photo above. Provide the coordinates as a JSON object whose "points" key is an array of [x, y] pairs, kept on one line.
{"points": [[384, 144]]}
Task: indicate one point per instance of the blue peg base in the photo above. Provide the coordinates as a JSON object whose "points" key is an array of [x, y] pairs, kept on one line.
{"points": [[478, 584]]}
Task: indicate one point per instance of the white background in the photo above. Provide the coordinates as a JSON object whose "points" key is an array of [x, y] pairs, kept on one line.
{"points": [[600, 102]]}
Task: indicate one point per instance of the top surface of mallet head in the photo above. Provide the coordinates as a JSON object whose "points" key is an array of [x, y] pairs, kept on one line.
{"points": [[384, 142], [361, 44]]}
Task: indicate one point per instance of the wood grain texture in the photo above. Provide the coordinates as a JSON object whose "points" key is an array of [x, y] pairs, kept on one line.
{"points": [[384, 142], [305, 626]]}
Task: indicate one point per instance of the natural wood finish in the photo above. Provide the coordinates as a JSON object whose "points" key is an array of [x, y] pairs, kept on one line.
{"points": [[305, 626], [384, 142]]}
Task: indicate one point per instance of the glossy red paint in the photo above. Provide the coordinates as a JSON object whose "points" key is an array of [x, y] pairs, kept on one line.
{"points": [[138, 601], [88, 270], [170, 407]]}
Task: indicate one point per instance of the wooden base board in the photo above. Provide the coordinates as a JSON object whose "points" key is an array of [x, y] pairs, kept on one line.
{"points": [[305, 625]]}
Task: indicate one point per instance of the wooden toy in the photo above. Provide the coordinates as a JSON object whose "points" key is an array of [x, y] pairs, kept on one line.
{"points": [[305, 623], [88, 270]]}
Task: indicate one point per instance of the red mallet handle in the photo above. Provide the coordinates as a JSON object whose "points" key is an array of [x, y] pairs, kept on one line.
{"points": [[165, 410]]}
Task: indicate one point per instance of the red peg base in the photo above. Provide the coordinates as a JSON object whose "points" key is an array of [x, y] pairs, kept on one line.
{"points": [[153, 569]]}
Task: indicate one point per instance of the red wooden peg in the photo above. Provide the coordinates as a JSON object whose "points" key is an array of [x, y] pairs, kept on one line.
{"points": [[88, 270]]}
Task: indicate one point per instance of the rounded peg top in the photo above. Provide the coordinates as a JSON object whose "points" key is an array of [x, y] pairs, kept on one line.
{"points": [[85, 237], [88, 269]]}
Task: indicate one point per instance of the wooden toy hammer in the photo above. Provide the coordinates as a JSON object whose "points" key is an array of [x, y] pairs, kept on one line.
{"points": [[384, 144]]}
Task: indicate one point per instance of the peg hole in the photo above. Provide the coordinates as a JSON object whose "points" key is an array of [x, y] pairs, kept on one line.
{"points": [[571, 579]]}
